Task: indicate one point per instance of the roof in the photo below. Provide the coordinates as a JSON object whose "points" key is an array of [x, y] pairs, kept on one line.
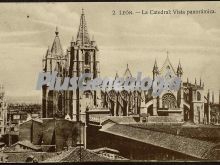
{"points": [[188, 146], [56, 49], [193, 86], [33, 119], [83, 34], [21, 157], [121, 119], [28, 144], [25, 143], [77, 155], [105, 149], [167, 65]]}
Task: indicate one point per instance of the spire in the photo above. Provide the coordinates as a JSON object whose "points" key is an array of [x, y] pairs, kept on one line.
{"points": [[116, 75], [127, 72], [56, 49], [179, 69], [195, 82], [83, 34], [155, 64], [155, 68], [200, 82], [48, 53]]}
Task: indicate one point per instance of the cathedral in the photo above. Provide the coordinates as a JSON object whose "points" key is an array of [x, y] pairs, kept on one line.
{"points": [[188, 103], [80, 57]]}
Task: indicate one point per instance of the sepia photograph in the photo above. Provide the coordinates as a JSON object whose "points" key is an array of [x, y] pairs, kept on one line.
{"points": [[109, 82]]}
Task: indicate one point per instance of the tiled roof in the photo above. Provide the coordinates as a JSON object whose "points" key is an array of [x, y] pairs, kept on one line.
{"points": [[188, 146], [29, 144], [77, 155], [206, 132], [25, 143], [22, 156]]}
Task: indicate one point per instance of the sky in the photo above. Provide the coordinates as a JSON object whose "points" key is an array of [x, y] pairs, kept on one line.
{"points": [[27, 29]]}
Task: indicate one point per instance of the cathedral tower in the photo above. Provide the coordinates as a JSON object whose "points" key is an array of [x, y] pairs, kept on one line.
{"points": [[83, 59], [54, 60]]}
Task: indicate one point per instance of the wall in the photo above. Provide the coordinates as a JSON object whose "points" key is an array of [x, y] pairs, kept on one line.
{"points": [[31, 130]]}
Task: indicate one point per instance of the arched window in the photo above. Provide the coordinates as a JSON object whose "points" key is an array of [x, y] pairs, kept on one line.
{"points": [[87, 58], [169, 101], [198, 96]]}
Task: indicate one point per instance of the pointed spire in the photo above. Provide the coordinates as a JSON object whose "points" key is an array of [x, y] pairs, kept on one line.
{"points": [[56, 49], [155, 63], [116, 75], [195, 82], [48, 53], [200, 82], [83, 34], [155, 68], [127, 72], [179, 69]]}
